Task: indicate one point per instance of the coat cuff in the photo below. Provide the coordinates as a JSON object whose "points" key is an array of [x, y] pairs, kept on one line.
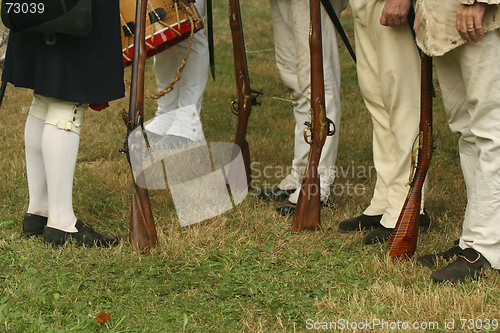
{"points": [[471, 2]]}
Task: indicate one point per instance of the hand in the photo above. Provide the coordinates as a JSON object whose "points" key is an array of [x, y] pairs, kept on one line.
{"points": [[395, 12], [470, 21]]}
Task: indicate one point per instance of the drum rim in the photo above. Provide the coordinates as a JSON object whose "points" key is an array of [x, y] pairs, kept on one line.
{"points": [[158, 32]]}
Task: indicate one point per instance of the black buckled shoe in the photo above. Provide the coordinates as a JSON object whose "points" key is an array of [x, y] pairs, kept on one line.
{"points": [[86, 235], [274, 193], [383, 234], [33, 225], [379, 235], [359, 223], [470, 264], [431, 260], [287, 208]]}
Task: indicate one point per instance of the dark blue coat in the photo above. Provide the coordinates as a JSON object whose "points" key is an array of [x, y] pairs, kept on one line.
{"points": [[86, 69]]}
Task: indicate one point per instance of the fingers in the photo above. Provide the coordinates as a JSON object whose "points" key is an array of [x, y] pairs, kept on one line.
{"points": [[471, 32], [461, 24], [469, 22], [392, 20], [395, 12], [478, 25]]}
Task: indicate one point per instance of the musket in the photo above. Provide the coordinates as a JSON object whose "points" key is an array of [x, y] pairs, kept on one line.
{"points": [[307, 212], [210, 38], [143, 235], [247, 97], [403, 242]]}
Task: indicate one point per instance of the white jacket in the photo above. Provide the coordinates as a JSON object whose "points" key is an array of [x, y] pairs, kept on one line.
{"points": [[436, 24]]}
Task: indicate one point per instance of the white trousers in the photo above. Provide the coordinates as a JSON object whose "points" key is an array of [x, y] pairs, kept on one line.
{"points": [[388, 68], [469, 77], [291, 38], [182, 106]]}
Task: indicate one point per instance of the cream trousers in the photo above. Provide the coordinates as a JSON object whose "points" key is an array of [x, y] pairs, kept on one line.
{"points": [[469, 77], [388, 67]]}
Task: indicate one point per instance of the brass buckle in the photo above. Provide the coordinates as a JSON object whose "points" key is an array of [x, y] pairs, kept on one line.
{"points": [[68, 125], [471, 262]]}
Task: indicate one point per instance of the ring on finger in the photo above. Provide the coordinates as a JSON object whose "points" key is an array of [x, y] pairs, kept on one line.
{"points": [[470, 28]]}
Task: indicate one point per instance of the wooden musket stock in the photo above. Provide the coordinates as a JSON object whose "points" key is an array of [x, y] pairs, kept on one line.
{"points": [[403, 242], [143, 235], [307, 212], [247, 97]]}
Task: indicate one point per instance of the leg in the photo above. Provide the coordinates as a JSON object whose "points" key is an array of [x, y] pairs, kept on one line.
{"points": [[38, 208], [291, 29], [180, 109], [286, 63], [392, 96], [368, 77], [480, 231], [470, 93], [60, 144], [35, 169]]}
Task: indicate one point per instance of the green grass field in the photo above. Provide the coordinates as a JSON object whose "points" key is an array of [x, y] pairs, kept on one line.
{"points": [[243, 271]]}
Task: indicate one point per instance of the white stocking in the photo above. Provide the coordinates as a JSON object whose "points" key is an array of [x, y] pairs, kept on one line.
{"points": [[60, 150], [35, 169]]}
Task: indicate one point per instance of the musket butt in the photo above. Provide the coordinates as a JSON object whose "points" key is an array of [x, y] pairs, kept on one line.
{"points": [[143, 236]]}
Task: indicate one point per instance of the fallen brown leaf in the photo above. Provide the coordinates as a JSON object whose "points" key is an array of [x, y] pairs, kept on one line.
{"points": [[103, 317]]}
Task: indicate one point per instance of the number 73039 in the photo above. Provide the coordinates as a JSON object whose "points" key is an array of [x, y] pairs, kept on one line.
{"points": [[479, 324], [25, 7]]}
